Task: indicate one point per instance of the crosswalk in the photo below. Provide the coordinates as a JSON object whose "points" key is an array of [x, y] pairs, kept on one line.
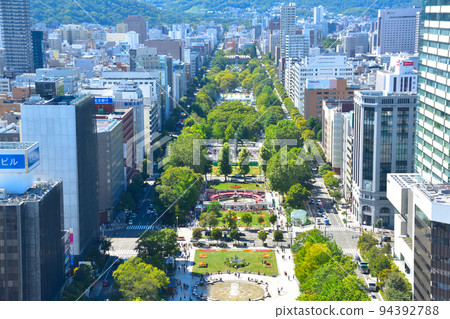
{"points": [[333, 228], [139, 227], [123, 253], [350, 251]]}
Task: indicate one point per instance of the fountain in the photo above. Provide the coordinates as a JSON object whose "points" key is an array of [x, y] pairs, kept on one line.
{"points": [[234, 289]]}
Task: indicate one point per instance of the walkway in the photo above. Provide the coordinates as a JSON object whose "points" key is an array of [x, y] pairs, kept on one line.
{"points": [[287, 284]]}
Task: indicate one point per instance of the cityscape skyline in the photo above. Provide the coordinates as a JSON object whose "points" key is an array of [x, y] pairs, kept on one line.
{"points": [[306, 149]]}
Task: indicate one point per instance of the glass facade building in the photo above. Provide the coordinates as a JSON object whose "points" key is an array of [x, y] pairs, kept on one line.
{"points": [[433, 111]]}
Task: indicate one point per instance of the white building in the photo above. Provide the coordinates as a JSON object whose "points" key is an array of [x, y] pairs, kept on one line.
{"points": [[4, 86], [398, 30], [421, 233], [297, 46], [65, 131], [311, 68], [287, 25], [319, 13], [347, 154], [399, 77]]}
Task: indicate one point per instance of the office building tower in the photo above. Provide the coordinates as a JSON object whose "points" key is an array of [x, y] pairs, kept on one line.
{"points": [[397, 30], [65, 130], [347, 154], [383, 143], [324, 67], [16, 36], [287, 25], [333, 131], [433, 111], [31, 247], [296, 46], [318, 15], [110, 167], [421, 235], [137, 24], [37, 38], [318, 90], [121, 28], [355, 43], [423, 200]]}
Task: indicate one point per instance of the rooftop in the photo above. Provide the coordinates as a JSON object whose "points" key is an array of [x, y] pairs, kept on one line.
{"points": [[437, 193], [35, 193], [105, 125], [16, 145]]}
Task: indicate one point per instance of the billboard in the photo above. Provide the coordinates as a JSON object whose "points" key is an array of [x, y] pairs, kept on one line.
{"points": [[104, 100], [33, 157], [12, 161], [18, 157]]}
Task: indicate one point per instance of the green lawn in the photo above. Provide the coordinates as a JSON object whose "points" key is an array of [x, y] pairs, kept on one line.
{"points": [[243, 186], [216, 259], [254, 170], [255, 218]]}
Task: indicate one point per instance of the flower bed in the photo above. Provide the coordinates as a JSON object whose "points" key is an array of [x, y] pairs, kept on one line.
{"points": [[264, 255], [235, 186], [203, 264], [204, 256]]}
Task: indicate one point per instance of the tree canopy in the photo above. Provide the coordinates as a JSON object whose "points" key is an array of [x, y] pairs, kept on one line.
{"points": [[138, 279]]}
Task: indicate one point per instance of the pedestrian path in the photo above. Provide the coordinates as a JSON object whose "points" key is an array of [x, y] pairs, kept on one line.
{"points": [[123, 253], [350, 251], [139, 227]]}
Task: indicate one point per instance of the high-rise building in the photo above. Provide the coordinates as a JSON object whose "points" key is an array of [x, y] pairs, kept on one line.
{"points": [[110, 168], [37, 38], [313, 68], [296, 46], [333, 130], [422, 201], [31, 213], [15, 27], [397, 30], [65, 130], [121, 28], [137, 24], [355, 43], [287, 25], [318, 14], [383, 139], [433, 111], [421, 234]]}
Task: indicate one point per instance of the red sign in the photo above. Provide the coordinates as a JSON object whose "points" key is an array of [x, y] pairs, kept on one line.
{"points": [[408, 63]]}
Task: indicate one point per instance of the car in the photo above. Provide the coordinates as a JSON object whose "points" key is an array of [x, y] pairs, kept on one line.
{"points": [[319, 202], [130, 222], [133, 215], [153, 211], [148, 212], [321, 209], [327, 222], [150, 206], [105, 283], [311, 201], [319, 221]]}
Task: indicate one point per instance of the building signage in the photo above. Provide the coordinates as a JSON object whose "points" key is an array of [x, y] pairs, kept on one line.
{"points": [[33, 157], [104, 100], [12, 161]]}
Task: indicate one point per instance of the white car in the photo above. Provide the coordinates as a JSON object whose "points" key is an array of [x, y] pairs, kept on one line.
{"points": [[130, 222], [319, 221]]}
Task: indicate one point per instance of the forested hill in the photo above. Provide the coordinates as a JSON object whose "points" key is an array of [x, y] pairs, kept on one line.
{"points": [[110, 12], [340, 6], [104, 12]]}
